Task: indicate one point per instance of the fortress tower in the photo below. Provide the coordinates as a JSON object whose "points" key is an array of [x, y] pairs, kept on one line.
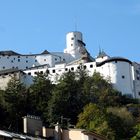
{"points": [[75, 44]]}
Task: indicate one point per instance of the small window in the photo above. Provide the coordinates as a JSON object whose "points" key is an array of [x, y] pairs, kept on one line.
{"points": [[41, 72], [137, 72], [11, 61], [13, 67], [47, 71], [66, 69], [35, 72], [138, 78], [63, 59], [123, 76], [29, 73], [26, 67], [14, 58], [91, 66], [7, 57], [72, 38], [26, 56], [26, 61], [18, 60], [85, 67], [55, 59], [18, 56], [35, 60], [53, 71], [71, 44], [72, 68], [139, 93], [116, 61], [78, 67], [3, 67], [44, 59]]}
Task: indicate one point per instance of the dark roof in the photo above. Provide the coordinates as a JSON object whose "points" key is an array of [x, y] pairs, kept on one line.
{"points": [[45, 52], [101, 54], [9, 71], [8, 53], [113, 59], [94, 134]]}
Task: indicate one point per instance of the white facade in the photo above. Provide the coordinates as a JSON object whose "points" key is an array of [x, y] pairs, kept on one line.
{"points": [[122, 73]]}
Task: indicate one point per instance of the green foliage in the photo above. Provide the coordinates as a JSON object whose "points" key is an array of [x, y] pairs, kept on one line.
{"points": [[136, 132], [94, 119], [90, 100], [121, 121], [15, 97], [40, 93], [65, 99]]}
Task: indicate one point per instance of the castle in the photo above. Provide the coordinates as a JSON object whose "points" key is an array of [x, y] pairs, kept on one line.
{"points": [[123, 74]]}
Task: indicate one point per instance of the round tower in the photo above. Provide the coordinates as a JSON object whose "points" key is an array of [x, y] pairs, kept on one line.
{"points": [[75, 44]]}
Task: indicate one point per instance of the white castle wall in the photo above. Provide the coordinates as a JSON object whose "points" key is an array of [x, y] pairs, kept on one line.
{"points": [[119, 73], [74, 47]]}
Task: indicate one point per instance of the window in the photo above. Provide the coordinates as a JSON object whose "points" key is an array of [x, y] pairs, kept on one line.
{"points": [[18, 60], [72, 38], [138, 78], [72, 68], [26, 61], [18, 56], [47, 71], [66, 69], [53, 71], [55, 59], [35, 60], [85, 67], [71, 44], [13, 67], [26, 67], [11, 61], [139, 93], [137, 71], [116, 61], [91, 66], [78, 67], [29, 73], [44, 59], [35, 72], [26, 56], [123, 76], [41, 72], [3, 67]]}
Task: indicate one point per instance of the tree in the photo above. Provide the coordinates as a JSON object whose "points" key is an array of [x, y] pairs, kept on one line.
{"points": [[15, 103], [64, 99], [136, 132], [100, 91], [121, 121], [94, 119], [40, 93]]}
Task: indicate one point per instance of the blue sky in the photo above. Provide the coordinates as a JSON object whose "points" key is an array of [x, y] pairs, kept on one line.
{"points": [[31, 26]]}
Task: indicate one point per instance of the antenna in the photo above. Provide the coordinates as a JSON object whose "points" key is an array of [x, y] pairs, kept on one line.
{"points": [[100, 50]]}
